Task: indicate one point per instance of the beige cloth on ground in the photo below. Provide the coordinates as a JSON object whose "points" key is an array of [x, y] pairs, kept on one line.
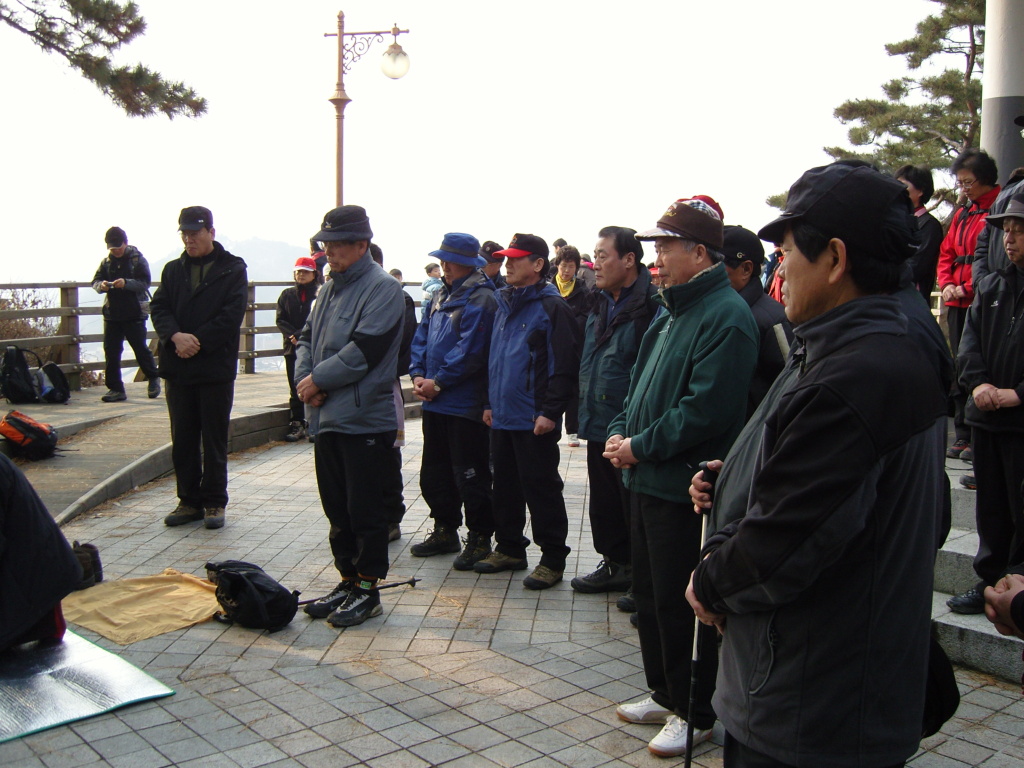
{"points": [[130, 610]]}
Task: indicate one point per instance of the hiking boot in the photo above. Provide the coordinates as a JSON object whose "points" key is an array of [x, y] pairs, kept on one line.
{"points": [[213, 517], [574, 441], [954, 451], [967, 454], [182, 514], [609, 577], [153, 389], [970, 602], [323, 607], [643, 711], [970, 482], [542, 578], [442, 540], [394, 532], [296, 431], [94, 558], [114, 396], [362, 603], [88, 575], [626, 603], [671, 741], [478, 546], [311, 438], [497, 562]]}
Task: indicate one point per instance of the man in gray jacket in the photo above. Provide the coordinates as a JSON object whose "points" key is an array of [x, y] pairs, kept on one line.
{"points": [[345, 369]]}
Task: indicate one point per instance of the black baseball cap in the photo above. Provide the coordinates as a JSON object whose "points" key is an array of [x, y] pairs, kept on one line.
{"points": [[740, 244], [194, 218], [525, 245], [843, 202]]}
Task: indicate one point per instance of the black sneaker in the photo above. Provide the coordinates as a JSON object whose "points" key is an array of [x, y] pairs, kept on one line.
{"points": [[609, 577], [442, 540], [394, 532], [114, 396], [478, 546], [970, 602], [182, 514], [626, 603], [970, 482], [153, 390], [362, 603], [633, 618], [324, 606], [296, 431]]}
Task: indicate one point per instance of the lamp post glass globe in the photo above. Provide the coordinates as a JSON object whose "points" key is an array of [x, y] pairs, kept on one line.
{"points": [[395, 62]]}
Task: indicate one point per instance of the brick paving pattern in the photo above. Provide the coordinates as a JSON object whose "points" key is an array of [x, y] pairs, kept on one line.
{"points": [[462, 670]]}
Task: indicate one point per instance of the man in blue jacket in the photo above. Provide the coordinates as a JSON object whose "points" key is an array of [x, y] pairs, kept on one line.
{"points": [[345, 370], [533, 367], [449, 375]]}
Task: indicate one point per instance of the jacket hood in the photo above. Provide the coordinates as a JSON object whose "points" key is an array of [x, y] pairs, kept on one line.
{"points": [[848, 322], [473, 282]]}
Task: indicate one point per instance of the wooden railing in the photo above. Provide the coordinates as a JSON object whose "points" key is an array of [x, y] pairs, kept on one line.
{"points": [[66, 345]]}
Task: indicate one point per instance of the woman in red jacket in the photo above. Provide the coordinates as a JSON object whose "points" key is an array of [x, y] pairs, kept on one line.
{"points": [[976, 175]]}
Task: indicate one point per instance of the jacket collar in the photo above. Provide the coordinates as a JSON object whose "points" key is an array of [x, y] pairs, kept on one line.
{"points": [[752, 292], [678, 298], [357, 270], [475, 279], [848, 322]]}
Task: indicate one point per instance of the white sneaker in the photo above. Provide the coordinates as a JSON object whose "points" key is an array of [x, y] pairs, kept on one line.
{"points": [[574, 441], [671, 741], [643, 711]]}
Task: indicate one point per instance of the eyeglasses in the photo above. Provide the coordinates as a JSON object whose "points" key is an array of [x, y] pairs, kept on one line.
{"points": [[190, 234], [965, 185]]}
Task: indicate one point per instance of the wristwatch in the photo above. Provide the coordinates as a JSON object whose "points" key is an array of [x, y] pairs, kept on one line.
{"points": [[437, 385]]}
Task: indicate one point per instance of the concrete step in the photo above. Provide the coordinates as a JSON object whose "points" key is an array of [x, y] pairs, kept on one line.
{"points": [[973, 642], [954, 564]]}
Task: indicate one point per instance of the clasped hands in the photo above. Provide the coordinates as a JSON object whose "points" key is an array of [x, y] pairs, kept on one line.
{"points": [[310, 393], [988, 397]]}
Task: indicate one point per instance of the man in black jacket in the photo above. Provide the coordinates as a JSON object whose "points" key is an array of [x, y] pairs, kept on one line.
{"points": [[744, 256], [836, 542], [124, 277], [197, 312]]}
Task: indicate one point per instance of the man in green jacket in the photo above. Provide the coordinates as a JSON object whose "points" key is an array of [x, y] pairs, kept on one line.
{"points": [[687, 396]]}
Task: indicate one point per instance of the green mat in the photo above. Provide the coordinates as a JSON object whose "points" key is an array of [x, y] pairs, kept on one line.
{"points": [[43, 686]]}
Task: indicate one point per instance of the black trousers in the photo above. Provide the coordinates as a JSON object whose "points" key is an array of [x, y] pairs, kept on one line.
{"points": [[455, 471], [609, 506], [200, 417], [955, 319], [999, 510], [740, 756], [298, 411], [352, 473], [572, 415], [115, 333], [666, 549], [526, 475]]}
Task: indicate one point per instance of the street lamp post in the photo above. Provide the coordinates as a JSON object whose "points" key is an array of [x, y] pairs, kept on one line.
{"points": [[394, 64]]}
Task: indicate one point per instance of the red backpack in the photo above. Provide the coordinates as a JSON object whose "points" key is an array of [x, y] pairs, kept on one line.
{"points": [[32, 439]]}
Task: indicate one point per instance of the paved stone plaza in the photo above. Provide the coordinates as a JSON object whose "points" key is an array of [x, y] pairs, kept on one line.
{"points": [[461, 670]]}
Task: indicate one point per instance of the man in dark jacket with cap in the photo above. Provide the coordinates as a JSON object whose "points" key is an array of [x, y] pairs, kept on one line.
{"points": [[823, 589], [744, 255], [124, 279], [687, 395], [449, 375], [197, 312], [621, 313], [345, 370]]}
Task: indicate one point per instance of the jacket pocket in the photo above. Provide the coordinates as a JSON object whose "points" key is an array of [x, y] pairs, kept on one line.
{"points": [[764, 656]]}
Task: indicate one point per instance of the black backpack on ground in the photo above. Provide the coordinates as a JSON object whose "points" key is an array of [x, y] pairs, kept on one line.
{"points": [[249, 597], [20, 385], [17, 383], [31, 439]]}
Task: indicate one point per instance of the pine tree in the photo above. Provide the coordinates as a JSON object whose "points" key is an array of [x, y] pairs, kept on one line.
{"points": [[86, 33], [925, 120]]}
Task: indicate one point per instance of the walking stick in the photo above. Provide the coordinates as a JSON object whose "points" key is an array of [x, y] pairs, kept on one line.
{"points": [[411, 582], [710, 476]]}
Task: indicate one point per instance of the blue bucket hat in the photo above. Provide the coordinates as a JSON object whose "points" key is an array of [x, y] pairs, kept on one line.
{"points": [[460, 248]]}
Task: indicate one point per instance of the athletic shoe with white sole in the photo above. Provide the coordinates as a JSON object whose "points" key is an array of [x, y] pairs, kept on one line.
{"points": [[643, 711], [671, 741]]}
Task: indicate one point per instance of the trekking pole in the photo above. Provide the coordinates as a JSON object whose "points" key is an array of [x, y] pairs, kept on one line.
{"points": [[710, 476], [411, 582]]}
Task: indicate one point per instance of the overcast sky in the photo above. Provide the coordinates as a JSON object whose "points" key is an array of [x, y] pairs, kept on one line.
{"points": [[555, 117]]}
